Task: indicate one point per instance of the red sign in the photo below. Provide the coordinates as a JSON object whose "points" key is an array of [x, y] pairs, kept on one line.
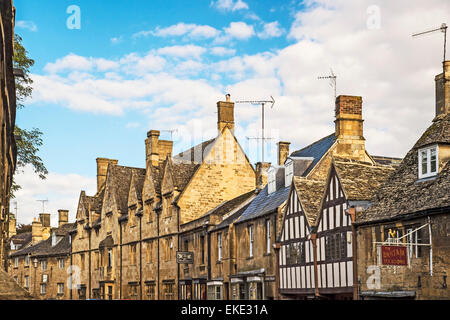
{"points": [[394, 255]]}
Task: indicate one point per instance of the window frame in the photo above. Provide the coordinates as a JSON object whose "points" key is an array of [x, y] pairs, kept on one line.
{"points": [[289, 172], [219, 246], [250, 240], [271, 180], [428, 150]]}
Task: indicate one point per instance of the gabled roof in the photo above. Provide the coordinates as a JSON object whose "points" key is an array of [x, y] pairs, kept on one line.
{"points": [[194, 154], [360, 180], [10, 289], [182, 173], [315, 150], [45, 249], [22, 239], [265, 203], [403, 193], [120, 184], [310, 194]]}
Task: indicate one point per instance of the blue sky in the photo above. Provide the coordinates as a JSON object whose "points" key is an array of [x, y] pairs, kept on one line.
{"points": [[138, 65]]}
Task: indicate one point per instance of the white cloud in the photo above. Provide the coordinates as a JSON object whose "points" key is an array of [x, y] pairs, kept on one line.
{"points": [[61, 190], [239, 30], [73, 62], [271, 30], [230, 5], [116, 40], [29, 25], [181, 29], [222, 51], [182, 51]]}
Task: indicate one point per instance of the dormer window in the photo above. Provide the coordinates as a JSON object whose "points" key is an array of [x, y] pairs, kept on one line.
{"points": [[289, 172], [271, 180], [428, 162]]}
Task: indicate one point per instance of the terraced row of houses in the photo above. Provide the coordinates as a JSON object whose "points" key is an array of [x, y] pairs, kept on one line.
{"points": [[328, 221]]}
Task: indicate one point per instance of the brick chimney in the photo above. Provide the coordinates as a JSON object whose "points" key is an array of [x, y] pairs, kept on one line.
{"points": [[283, 152], [36, 231], [443, 90], [102, 169], [349, 128], [225, 114], [261, 174], [63, 217]]}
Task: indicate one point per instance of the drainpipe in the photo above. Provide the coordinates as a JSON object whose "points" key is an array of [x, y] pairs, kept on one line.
{"points": [[120, 258], [140, 256], [90, 266], [71, 264], [276, 247], [316, 275], [157, 237], [352, 213], [208, 236]]}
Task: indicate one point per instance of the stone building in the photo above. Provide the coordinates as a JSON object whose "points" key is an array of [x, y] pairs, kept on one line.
{"points": [[128, 233], [8, 151], [403, 238], [41, 263]]}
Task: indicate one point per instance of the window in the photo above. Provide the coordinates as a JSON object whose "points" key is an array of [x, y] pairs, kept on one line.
{"points": [[202, 248], [150, 289], [133, 291], [219, 246], [44, 265], [43, 288], [428, 162], [61, 263], [16, 262], [336, 246], [295, 253], [289, 172], [26, 282], [268, 237], [250, 239], [215, 292], [109, 258], [168, 291], [414, 239], [44, 278], [271, 177], [60, 288], [133, 254]]}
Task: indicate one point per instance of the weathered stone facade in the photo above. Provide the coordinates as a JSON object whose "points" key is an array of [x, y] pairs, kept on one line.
{"points": [[8, 151], [128, 234]]}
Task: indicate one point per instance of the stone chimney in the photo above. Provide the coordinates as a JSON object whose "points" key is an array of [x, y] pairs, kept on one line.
{"points": [[12, 226], [36, 231], [349, 128], [156, 150], [443, 90], [102, 169], [63, 217], [44, 218], [283, 152], [261, 174], [225, 114]]}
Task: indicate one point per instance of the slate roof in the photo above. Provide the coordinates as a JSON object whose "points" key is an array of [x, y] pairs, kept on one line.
{"points": [[139, 177], [403, 193], [226, 222], [360, 180], [315, 150], [45, 249], [22, 239], [194, 154], [182, 173], [121, 180], [10, 289], [310, 193], [265, 203]]}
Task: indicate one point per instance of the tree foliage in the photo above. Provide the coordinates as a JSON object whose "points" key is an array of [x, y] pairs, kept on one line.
{"points": [[30, 140]]}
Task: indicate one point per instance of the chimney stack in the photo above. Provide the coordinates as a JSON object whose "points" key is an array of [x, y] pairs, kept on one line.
{"points": [[36, 231], [261, 174], [63, 217], [12, 231], [225, 114], [283, 152], [102, 169], [443, 90], [349, 128]]}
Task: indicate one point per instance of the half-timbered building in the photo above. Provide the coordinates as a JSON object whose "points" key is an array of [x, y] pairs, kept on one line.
{"points": [[316, 253]]}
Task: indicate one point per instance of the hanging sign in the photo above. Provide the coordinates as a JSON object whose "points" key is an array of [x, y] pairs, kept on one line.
{"points": [[394, 255]]}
